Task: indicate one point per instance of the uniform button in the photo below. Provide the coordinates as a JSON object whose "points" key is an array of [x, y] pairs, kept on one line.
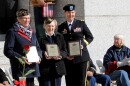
{"points": [[56, 66], [70, 33]]}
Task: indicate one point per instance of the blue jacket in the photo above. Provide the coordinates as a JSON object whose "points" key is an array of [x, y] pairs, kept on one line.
{"points": [[114, 55], [14, 43]]}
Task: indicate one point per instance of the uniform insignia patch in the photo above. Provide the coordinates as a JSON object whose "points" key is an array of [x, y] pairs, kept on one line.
{"points": [[78, 29], [64, 31], [71, 7]]}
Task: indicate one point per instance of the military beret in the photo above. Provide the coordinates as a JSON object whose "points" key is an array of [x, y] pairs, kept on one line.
{"points": [[22, 12], [69, 7]]}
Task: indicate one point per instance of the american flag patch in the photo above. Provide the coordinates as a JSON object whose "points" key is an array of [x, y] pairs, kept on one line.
{"points": [[47, 10]]}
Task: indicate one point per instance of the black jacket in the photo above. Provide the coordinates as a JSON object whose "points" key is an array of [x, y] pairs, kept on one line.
{"points": [[79, 31], [91, 67], [58, 65]]}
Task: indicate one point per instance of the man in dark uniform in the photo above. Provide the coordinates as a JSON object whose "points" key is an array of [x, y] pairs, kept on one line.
{"points": [[75, 30]]}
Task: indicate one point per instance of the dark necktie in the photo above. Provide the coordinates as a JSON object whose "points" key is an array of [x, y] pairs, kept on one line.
{"points": [[69, 27], [49, 39]]}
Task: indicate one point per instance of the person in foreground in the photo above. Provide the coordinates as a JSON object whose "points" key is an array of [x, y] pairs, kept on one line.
{"points": [[75, 30], [3, 79], [94, 77], [52, 67], [116, 61], [20, 35]]}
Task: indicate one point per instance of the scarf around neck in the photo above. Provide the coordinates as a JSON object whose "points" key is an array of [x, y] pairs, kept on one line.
{"points": [[26, 30]]}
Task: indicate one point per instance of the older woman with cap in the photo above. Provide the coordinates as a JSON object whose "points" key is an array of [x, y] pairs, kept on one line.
{"points": [[17, 37], [75, 30], [116, 61], [52, 67]]}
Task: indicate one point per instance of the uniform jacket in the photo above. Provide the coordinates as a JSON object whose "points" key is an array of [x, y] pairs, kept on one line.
{"points": [[13, 48], [79, 31], [114, 55], [58, 65], [92, 67]]}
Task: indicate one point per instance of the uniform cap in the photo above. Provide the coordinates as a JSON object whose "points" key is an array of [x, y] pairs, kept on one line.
{"points": [[22, 12], [69, 7]]}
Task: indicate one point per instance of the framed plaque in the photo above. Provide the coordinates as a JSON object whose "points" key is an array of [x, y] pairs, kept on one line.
{"points": [[52, 50], [74, 48]]}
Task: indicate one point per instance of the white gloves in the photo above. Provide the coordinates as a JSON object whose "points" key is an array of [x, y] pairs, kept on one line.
{"points": [[123, 63], [119, 64], [128, 63]]}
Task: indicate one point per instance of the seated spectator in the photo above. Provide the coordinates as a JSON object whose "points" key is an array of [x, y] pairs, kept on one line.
{"points": [[115, 61], [3, 79], [94, 77]]}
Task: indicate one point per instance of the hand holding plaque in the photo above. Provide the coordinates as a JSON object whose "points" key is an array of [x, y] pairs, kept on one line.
{"points": [[74, 48], [52, 50]]}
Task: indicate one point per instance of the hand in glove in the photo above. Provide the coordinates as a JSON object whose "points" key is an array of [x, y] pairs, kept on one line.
{"points": [[119, 64], [128, 63]]}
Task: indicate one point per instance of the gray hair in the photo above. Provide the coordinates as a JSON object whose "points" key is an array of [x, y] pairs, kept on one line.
{"points": [[49, 20], [120, 36]]}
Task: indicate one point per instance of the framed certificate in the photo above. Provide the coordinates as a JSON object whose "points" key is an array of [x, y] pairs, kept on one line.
{"points": [[32, 55], [74, 48], [52, 50]]}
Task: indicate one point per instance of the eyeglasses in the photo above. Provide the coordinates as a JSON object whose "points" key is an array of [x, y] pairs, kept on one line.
{"points": [[25, 18]]}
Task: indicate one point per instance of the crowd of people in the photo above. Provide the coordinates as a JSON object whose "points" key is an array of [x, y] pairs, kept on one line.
{"points": [[50, 69]]}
